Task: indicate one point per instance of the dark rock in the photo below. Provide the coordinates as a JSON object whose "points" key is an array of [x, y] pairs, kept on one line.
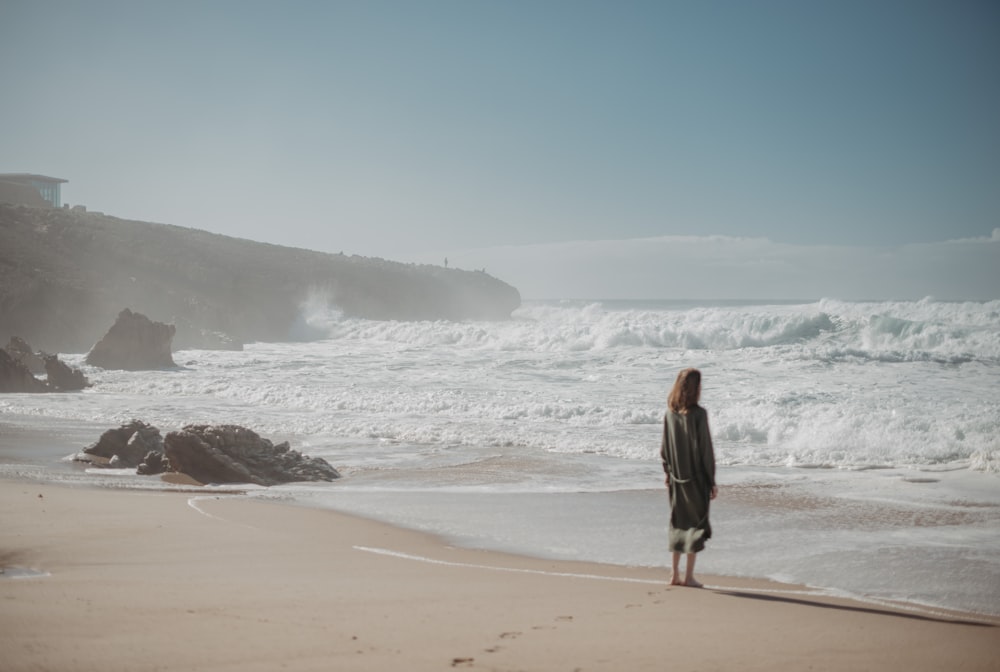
{"points": [[62, 377], [15, 376], [20, 363], [129, 443], [19, 349], [234, 454], [134, 343], [154, 463]]}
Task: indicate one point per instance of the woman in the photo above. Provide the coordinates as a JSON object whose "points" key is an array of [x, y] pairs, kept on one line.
{"points": [[689, 463]]}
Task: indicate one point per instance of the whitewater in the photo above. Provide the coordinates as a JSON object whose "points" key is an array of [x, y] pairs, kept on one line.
{"points": [[857, 441]]}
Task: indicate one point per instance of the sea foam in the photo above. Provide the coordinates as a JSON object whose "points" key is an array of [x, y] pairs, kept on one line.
{"points": [[830, 383]]}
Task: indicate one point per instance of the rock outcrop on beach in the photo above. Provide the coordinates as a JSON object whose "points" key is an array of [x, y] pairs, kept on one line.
{"points": [[234, 454], [134, 343], [206, 453], [62, 377], [19, 349], [17, 376], [65, 275], [124, 447]]}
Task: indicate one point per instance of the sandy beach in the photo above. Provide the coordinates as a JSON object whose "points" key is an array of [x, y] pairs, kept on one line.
{"points": [[134, 580]]}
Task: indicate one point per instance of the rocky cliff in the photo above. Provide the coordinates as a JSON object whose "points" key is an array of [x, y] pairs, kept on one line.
{"points": [[65, 275]]}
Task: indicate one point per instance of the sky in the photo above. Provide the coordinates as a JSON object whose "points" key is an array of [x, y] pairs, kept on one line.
{"points": [[619, 149]]}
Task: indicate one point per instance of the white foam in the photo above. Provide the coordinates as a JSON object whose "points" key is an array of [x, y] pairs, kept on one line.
{"points": [[830, 383]]}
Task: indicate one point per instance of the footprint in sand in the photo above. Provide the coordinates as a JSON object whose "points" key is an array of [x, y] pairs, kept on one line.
{"points": [[509, 635]]}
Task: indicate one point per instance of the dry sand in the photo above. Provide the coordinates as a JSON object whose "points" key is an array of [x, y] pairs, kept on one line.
{"points": [[179, 581]]}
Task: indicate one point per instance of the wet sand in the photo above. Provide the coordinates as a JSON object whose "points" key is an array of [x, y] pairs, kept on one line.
{"points": [[136, 580]]}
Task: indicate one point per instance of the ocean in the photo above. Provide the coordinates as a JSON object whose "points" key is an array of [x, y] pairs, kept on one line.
{"points": [[857, 442]]}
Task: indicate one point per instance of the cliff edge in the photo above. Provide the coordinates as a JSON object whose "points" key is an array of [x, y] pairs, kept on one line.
{"points": [[65, 275]]}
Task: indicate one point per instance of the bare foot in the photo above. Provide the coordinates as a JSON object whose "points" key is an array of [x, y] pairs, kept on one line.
{"points": [[675, 581], [694, 583]]}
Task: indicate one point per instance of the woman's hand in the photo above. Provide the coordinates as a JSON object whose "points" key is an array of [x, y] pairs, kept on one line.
{"points": [[667, 481], [714, 493]]}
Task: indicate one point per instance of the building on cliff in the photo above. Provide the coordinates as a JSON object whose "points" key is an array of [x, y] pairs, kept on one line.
{"points": [[30, 189]]}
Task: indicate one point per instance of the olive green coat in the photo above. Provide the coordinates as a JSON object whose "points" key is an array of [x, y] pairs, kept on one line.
{"points": [[689, 460]]}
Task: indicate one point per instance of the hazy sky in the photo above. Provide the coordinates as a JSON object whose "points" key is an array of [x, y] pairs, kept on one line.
{"points": [[698, 148]]}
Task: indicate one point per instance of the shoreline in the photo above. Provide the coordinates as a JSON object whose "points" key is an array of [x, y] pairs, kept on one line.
{"points": [[164, 579], [29, 454]]}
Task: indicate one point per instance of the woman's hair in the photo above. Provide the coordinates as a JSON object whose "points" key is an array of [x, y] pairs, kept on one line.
{"points": [[687, 388]]}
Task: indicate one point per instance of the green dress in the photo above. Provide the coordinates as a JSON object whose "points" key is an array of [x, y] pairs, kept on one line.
{"points": [[689, 460]]}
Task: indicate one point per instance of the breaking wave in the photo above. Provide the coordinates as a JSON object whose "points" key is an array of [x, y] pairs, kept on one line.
{"points": [[827, 330]]}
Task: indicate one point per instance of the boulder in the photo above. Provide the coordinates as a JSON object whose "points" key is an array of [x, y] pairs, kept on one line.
{"points": [[234, 454], [15, 376], [127, 446], [19, 349], [20, 363], [154, 463], [63, 378], [134, 343]]}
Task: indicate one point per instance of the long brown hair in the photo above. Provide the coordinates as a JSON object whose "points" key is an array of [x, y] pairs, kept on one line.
{"points": [[687, 388]]}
